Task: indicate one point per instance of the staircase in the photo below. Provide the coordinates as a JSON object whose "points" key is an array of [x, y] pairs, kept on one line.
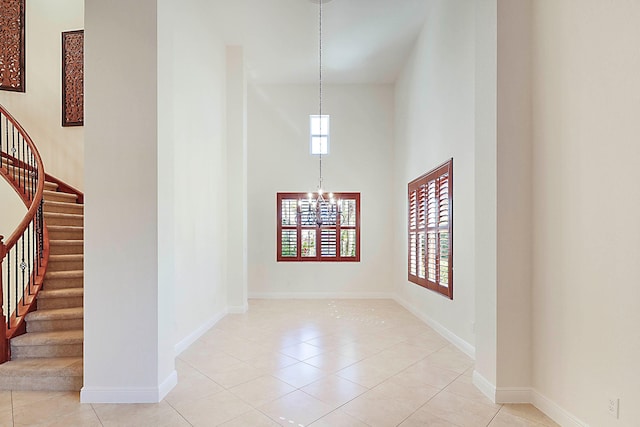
{"points": [[49, 355]]}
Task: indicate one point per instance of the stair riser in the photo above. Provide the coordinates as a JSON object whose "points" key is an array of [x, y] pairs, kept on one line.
{"points": [[66, 249], [53, 303], [41, 383], [60, 197], [52, 284], [54, 325], [41, 351], [74, 222], [66, 234], [65, 265], [66, 209]]}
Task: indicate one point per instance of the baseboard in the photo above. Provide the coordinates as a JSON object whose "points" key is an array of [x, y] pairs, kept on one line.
{"points": [[513, 395], [554, 411], [485, 386], [184, 343], [462, 345], [129, 395], [320, 295], [167, 385], [238, 309]]}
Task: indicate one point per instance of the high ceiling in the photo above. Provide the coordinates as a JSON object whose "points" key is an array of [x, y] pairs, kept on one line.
{"points": [[364, 41]]}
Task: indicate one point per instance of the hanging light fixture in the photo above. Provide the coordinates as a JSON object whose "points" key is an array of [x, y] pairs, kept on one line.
{"points": [[320, 208]]}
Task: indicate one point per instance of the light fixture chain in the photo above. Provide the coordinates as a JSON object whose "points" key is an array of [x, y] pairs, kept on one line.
{"points": [[320, 80]]}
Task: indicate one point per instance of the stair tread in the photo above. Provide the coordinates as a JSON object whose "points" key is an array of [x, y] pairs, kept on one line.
{"points": [[68, 274], [55, 314], [61, 293], [63, 215], [66, 242], [41, 367], [66, 257], [61, 204], [48, 338], [64, 227]]}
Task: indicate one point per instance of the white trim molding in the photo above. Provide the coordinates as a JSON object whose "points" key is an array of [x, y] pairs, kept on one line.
{"points": [[129, 395], [321, 295], [554, 411], [462, 345], [485, 386]]}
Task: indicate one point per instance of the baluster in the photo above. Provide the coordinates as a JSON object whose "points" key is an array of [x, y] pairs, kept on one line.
{"points": [[4, 347]]}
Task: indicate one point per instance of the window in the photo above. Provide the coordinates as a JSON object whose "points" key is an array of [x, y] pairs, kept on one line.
{"points": [[431, 230], [319, 131], [301, 239]]}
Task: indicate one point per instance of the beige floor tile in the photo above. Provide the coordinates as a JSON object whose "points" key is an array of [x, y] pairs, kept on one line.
{"points": [[338, 418], [261, 390], [450, 358], [85, 417], [32, 408], [211, 363], [6, 418], [505, 419], [213, 410], [528, 412], [300, 374], [252, 418], [297, 408], [357, 350], [301, 351], [134, 415], [331, 362], [5, 401], [459, 410], [192, 385], [334, 390], [463, 386], [428, 373], [36, 398], [379, 411], [365, 374], [271, 361], [239, 375], [330, 342], [423, 418]]}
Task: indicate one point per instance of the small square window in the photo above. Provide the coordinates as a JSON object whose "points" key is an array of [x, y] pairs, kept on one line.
{"points": [[319, 134]]}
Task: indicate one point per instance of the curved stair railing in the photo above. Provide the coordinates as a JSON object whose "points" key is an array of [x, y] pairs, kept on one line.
{"points": [[24, 255]]}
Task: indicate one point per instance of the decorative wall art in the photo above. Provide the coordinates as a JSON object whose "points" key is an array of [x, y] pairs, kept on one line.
{"points": [[12, 52], [72, 78]]}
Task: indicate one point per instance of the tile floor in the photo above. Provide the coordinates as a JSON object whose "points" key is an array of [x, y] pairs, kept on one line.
{"points": [[319, 363]]}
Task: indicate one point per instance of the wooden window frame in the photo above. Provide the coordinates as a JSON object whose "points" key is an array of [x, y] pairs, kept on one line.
{"points": [[419, 204], [299, 227]]}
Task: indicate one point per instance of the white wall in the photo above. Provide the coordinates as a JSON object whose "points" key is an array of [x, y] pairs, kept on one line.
{"points": [[236, 226], [39, 110], [362, 120], [192, 173], [125, 308], [434, 122], [586, 298]]}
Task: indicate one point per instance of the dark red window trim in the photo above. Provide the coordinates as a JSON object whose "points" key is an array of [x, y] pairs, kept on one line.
{"points": [[430, 230], [332, 233]]}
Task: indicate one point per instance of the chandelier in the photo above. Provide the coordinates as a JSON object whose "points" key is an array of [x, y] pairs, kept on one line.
{"points": [[317, 208]]}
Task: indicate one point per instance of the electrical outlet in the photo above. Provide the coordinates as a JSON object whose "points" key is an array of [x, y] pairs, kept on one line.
{"points": [[613, 406]]}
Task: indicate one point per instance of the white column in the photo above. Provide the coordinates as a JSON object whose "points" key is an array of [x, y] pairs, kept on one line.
{"points": [[123, 348]]}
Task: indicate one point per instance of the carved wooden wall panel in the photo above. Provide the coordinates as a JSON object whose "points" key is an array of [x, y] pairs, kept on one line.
{"points": [[12, 52], [73, 78]]}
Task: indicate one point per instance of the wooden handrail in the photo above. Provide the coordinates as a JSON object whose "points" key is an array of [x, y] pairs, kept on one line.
{"points": [[33, 201]]}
